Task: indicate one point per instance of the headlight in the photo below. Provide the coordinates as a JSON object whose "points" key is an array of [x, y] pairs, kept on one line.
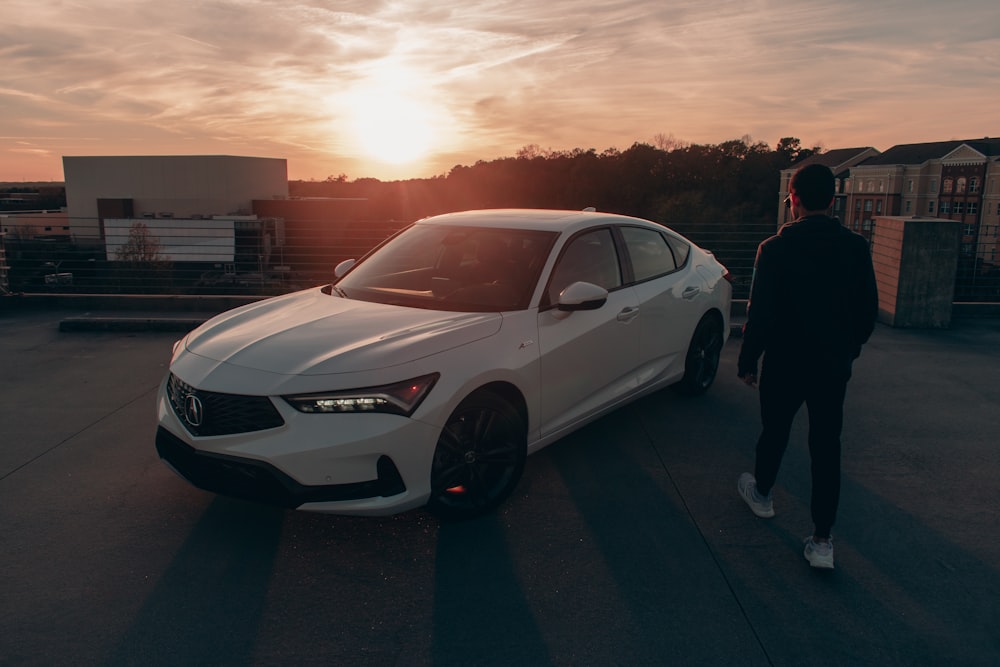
{"points": [[401, 398]]}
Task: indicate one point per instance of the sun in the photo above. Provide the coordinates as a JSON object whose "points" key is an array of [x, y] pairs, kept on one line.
{"points": [[391, 113], [392, 127]]}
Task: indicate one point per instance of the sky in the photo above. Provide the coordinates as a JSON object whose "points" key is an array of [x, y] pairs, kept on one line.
{"points": [[401, 89]]}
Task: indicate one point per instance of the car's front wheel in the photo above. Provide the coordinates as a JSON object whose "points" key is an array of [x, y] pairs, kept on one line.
{"points": [[702, 362], [479, 457]]}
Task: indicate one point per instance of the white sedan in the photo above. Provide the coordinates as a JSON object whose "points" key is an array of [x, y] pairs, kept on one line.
{"points": [[429, 370]]}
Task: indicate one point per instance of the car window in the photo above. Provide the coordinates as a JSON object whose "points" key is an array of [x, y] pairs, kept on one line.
{"points": [[590, 257], [444, 267], [649, 253], [681, 249]]}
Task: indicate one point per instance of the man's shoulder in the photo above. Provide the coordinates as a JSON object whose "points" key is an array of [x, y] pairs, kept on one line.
{"points": [[855, 241]]}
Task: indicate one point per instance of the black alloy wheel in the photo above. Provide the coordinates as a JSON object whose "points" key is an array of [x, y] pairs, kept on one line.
{"points": [[702, 362], [479, 457]]}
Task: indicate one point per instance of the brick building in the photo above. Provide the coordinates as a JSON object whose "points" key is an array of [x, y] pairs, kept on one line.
{"points": [[951, 180]]}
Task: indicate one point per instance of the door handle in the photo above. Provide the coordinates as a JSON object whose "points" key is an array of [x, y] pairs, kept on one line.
{"points": [[690, 292], [628, 314]]}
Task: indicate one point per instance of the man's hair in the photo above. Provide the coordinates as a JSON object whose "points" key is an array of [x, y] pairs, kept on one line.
{"points": [[814, 185]]}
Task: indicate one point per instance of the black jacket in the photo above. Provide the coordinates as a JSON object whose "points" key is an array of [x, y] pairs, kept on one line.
{"points": [[813, 298]]}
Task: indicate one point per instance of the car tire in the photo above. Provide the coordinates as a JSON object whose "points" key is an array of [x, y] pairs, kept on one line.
{"points": [[479, 457], [701, 364]]}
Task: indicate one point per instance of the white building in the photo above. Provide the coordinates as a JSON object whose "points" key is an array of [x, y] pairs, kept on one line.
{"points": [[194, 187]]}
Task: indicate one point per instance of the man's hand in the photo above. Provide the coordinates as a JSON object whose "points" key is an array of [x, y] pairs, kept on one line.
{"points": [[750, 379]]}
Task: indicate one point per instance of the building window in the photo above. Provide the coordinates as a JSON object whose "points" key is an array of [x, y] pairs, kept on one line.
{"points": [[960, 208], [998, 209], [909, 205], [868, 225], [881, 186], [972, 208], [878, 207], [960, 186], [871, 186], [933, 187], [973, 184], [868, 206], [909, 185], [930, 206], [970, 229], [847, 185], [857, 205], [945, 207], [947, 186]]}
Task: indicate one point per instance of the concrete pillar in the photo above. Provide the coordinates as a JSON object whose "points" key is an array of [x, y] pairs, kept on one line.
{"points": [[915, 264]]}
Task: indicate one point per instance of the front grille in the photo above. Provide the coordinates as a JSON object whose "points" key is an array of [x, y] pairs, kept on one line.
{"points": [[207, 413]]}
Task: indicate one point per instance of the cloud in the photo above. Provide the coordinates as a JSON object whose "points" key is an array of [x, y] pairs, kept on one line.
{"points": [[279, 78]]}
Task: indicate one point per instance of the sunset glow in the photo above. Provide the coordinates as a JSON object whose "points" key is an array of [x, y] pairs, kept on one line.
{"points": [[409, 90], [390, 116], [393, 130]]}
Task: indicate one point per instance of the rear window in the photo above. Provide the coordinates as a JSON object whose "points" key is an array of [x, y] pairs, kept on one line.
{"points": [[649, 253]]}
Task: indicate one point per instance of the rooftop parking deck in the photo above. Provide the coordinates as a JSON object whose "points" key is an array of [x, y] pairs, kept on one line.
{"points": [[625, 543]]}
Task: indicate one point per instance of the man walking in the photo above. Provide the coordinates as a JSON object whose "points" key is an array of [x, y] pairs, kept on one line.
{"points": [[813, 304]]}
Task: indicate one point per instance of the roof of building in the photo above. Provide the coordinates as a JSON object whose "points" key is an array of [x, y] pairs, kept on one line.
{"points": [[838, 160], [833, 158], [920, 153]]}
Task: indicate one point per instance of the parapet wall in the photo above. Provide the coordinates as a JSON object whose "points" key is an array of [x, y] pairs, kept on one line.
{"points": [[915, 263]]}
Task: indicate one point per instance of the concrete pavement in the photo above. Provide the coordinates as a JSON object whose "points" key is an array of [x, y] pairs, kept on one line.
{"points": [[625, 543]]}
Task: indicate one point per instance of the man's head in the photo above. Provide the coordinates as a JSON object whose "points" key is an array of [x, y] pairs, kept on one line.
{"points": [[813, 187]]}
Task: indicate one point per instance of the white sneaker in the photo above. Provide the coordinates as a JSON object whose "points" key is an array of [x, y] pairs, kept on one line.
{"points": [[819, 554], [759, 505]]}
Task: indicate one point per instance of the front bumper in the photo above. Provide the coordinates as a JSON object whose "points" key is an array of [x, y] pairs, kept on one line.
{"points": [[260, 481], [354, 464]]}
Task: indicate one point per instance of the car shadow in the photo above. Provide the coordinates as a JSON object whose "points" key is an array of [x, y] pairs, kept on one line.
{"points": [[207, 606]]}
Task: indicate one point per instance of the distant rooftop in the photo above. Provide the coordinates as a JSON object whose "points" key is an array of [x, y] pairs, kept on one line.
{"points": [[920, 153], [839, 159]]}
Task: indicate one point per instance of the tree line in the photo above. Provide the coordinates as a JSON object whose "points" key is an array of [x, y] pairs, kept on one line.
{"points": [[721, 196], [677, 184]]}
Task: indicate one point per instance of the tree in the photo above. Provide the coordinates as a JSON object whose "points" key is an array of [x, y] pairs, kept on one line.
{"points": [[142, 267], [141, 248], [789, 151], [668, 142]]}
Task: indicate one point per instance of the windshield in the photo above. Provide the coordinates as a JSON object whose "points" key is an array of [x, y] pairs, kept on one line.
{"points": [[443, 267]]}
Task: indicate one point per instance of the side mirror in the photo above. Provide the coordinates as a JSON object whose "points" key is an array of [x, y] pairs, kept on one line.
{"points": [[582, 296], [343, 267]]}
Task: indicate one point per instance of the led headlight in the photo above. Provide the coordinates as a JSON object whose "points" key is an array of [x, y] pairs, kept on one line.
{"points": [[401, 398]]}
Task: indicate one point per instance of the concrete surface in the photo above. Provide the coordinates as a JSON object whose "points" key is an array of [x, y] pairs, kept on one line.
{"points": [[624, 544]]}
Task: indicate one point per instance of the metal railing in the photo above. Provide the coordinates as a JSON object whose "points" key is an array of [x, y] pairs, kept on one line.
{"points": [[253, 259]]}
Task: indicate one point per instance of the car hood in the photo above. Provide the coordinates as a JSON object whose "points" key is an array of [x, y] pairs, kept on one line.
{"points": [[312, 333]]}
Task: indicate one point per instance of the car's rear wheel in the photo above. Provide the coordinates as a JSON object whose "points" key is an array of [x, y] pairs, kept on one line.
{"points": [[702, 362], [479, 457]]}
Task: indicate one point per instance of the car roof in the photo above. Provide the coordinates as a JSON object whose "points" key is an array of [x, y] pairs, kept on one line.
{"points": [[530, 218]]}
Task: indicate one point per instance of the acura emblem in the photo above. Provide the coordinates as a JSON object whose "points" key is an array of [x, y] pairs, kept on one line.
{"points": [[194, 411]]}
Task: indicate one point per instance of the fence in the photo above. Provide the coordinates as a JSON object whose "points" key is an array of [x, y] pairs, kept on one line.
{"points": [[259, 258]]}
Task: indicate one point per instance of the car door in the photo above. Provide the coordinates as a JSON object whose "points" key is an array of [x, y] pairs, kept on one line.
{"points": [[587, 357], [667, 292]]}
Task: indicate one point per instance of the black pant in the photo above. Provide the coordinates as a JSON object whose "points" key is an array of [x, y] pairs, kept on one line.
{"points": [[785, 384]]}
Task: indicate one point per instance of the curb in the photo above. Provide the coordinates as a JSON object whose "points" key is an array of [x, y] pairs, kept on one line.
{"points": [[131, 324]]}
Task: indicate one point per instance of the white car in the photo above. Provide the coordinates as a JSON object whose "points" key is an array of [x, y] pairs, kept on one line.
{"points": [[429, 370]]}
